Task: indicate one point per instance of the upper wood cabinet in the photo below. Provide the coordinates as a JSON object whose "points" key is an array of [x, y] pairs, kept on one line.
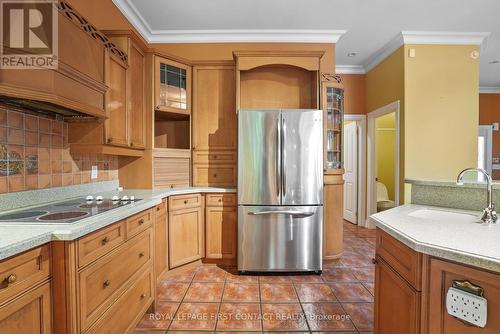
{"points": [[137, 109], [172, 86], [332, 103], [214, 108], [116, 126]]}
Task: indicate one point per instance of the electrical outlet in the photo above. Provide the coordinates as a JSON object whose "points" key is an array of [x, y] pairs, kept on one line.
{"points": [[467, 306], [496, 160], [93, 173]]}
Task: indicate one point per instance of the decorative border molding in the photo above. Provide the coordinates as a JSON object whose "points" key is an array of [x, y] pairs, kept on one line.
{"points": [[329, 77], [489, 90], [224, 35], [350, 69]]}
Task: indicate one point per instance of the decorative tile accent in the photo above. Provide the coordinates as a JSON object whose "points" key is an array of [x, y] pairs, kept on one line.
{"points": [[34, 152]]}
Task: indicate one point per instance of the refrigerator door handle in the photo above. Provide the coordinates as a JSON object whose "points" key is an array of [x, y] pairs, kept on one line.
{"points": [[278, 160], [283, 159], [293, 213]]}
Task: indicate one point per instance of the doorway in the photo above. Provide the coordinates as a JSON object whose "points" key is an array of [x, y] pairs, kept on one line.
{"points": [[484, 150], [383, 158], [354, 160]]}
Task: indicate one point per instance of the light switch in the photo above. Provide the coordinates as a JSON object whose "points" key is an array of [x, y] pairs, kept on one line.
{"points": [[412, 53], [495, 126]]}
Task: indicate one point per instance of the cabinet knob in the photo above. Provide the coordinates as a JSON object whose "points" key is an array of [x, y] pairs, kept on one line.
{"points": [[141, 254], [215, 156], [157, 107], [143, 296], [110, 140], [220, 199], [131, 144], [374, 261], [10, 279], [171, 186], [106, 283], [141, 221], [158, 209], [215, 175], [185, 201], [105, 240]]}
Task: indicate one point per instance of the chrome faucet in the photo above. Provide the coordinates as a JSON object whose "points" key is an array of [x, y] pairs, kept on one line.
{"points": [[489, 214]]}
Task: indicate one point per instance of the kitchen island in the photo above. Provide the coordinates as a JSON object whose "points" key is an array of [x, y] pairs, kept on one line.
{"points": [[421, 252]]}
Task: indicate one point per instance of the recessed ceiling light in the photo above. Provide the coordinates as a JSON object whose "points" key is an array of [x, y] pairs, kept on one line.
{"points": [[494, 62], [352, 54]]}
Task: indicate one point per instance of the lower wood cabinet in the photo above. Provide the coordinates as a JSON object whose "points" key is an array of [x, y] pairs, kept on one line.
{"points": [[442, 275], [161, 239], [185, 229], [397, 304], [221, 224], [29, 313], [333, 225]]}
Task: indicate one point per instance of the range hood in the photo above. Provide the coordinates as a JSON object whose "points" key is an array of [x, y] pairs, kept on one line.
{"points": [[44, 108]]}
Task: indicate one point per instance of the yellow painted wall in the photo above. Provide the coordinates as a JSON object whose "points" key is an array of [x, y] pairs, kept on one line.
{"points": [[386, 151], [385, 85], [441, 112]]}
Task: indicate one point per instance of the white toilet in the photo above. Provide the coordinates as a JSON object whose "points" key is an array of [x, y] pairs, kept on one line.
{"points": [[383, 201]]}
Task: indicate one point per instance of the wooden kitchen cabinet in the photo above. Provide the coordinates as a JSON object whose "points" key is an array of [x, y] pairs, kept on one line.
{"points": [[161, 239], [397, 304], [333, 225], [116, 126], [29, 313], [442, 275], [214, 126], [186, 231], [221, 224], [172, 86]]}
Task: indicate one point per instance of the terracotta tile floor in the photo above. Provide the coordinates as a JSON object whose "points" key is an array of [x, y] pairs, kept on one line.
{"points": [[212, 299]]}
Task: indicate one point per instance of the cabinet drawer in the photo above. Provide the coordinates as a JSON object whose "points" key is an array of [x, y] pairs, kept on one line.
{"points": [[221, 199], [205, 157], [99, 243], [139, 223], [181, 202], [401, 258], [23, 271], [126, 312], [219, 175], [30, 313], [161, 209], [102, 281]]}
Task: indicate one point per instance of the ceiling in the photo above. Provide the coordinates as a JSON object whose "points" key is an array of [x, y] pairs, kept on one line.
{"points": [[369, 24]]}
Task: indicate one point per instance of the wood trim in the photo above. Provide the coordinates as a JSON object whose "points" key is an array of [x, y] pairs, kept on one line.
{"points": [[171, 153], [105, 149], [308, 60]]}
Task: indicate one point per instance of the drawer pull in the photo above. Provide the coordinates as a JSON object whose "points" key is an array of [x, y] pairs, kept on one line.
{"points": [[10, 279], [220, 200], [158, 209], [185, 201], [141, 221], [143, 296], [105, 240], [106, 283], [215, 156], [215, 175], [171, 186], [141, 254]]}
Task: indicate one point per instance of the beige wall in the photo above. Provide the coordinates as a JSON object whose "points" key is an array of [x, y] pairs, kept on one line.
{"points": [[354, 93], [441, 111]]}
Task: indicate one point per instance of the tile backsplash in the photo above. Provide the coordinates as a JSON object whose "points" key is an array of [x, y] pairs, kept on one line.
{"points": [[35, 154]]}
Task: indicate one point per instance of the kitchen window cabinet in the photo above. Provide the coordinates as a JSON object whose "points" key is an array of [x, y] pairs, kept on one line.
{"points": [[333, 107], [172, 86]]}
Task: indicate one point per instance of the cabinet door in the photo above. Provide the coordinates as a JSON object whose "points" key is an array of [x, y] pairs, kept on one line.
{"points": [[185, 236], [333, 219], [172, 86], [161, 239], [442, 275], [221, 238], [214, 108], [30, 313], [397, 304], [137, 110], [116, 102]]}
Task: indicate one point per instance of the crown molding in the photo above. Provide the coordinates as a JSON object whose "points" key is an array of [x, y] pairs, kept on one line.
{"points": [[489, 90], [224, 35], [384, 52], [350, 69]]}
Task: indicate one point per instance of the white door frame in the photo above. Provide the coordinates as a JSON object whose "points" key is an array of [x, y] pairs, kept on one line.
{"points": [[488, 130], [361, 122], [371, 161]]}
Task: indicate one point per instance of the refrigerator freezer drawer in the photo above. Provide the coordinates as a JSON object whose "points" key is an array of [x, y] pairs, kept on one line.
{"points": [[280, 238]]}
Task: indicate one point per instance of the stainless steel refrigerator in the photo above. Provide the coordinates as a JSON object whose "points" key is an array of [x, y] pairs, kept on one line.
{"points": [[280, 190]]}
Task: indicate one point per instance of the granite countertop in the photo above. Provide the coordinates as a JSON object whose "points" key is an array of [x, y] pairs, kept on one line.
{"points": [[451, 234], [19, 237]]}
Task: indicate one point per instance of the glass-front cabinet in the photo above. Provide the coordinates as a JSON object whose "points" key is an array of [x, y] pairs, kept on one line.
{"points": [[172, 86], [333, 106]]}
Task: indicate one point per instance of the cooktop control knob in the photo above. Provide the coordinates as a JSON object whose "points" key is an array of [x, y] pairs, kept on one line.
{"points": [[132, 198], [125, 198], [89, 198], [98, 198], [115, 198]]}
